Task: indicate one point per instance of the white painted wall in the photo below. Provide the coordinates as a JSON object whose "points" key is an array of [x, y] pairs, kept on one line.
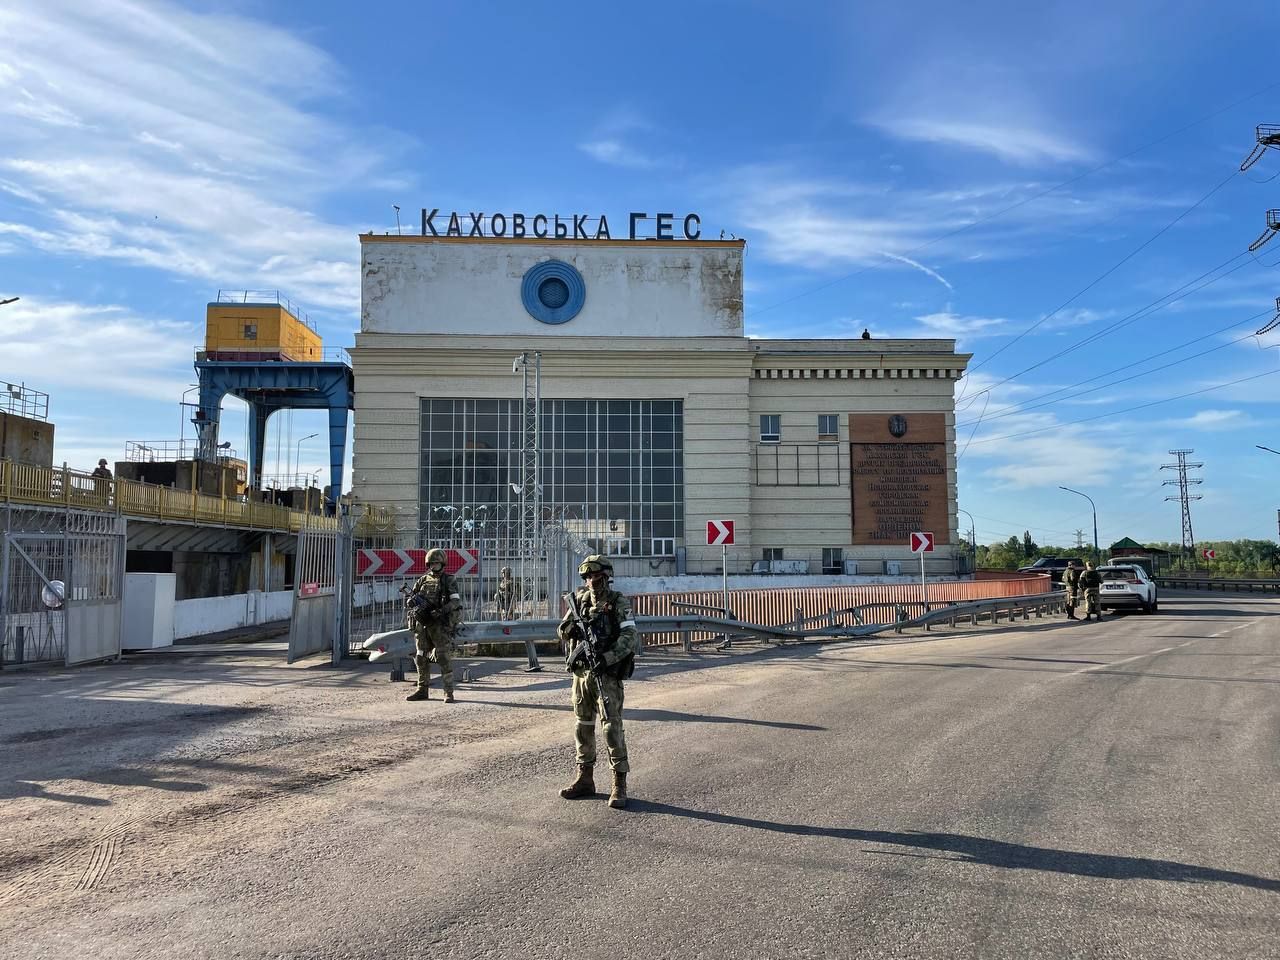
{"points": [[415, 285], [205, 615]]}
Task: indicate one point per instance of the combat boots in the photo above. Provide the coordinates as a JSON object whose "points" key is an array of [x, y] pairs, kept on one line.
{"points": [[584, 786], [448, 696], [419, 694], [618, 799]]}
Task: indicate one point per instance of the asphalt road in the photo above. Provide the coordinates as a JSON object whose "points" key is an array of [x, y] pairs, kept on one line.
{"points": [[1048, 789]]}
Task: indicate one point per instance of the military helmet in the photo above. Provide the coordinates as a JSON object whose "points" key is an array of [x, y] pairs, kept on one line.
{"points": [[594, 564], [436, 556]]}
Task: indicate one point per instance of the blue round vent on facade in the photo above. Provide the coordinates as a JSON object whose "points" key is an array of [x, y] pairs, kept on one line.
{"points": [[553, 291]]}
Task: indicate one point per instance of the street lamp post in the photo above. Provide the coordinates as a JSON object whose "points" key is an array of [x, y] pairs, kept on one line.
{"points": [[1268, 449], [1096, 554], [182, 416], [297, 460], [973, 541]]}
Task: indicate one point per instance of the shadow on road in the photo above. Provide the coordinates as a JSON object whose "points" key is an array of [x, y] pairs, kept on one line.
{"points": [[1082, 674], [994, 853], [660, 716]]}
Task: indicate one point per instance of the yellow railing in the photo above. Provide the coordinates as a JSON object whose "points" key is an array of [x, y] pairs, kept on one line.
{"points": [[58, 486]]}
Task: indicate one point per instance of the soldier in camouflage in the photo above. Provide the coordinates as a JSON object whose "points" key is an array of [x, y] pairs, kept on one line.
{"points": [[505, 598], [616, 642], [1071, 580], [435, 609], [1091, 583]]}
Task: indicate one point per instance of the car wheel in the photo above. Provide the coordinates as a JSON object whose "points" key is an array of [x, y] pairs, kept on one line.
{"points": [[1155, 603]]}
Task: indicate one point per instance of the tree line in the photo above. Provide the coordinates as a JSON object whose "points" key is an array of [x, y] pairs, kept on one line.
{"points": [[1233, 558]]}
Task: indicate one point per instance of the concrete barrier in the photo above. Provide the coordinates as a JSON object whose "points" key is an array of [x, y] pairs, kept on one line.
{"points": [[204, 615]]}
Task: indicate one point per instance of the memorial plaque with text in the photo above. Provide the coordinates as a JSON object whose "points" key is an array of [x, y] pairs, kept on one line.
{"points": [[898, 476]]}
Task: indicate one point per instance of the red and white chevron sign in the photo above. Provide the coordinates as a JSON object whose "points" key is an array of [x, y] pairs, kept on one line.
{"points": [[921, 542], [413, 563], [719, 532]]}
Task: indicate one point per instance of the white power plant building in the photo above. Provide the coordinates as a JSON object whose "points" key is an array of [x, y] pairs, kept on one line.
{"points": [[656, 413]]}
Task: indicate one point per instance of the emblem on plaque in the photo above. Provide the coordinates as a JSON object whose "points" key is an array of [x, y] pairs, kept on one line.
{"points": [[897, 425]]}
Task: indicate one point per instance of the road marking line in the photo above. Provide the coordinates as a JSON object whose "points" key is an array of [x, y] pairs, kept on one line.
{"points": [[1140, 656]]}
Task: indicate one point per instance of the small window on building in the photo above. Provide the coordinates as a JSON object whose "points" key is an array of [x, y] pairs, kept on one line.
{"points": [[251, 331], [833, 560], [770, 428], [664, 547], [617, 546], [771, 553], [828, 428]]}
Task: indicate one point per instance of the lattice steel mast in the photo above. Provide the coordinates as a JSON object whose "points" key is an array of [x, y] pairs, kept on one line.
{"points": [[1184, 483], [530, 486]]}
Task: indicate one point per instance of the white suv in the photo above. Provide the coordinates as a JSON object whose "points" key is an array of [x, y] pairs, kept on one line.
{"points": [[1127, 585]]}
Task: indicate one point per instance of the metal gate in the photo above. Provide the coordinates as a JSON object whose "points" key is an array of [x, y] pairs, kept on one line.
{"points": [[61, 583], [373, 602], [317, 579]]}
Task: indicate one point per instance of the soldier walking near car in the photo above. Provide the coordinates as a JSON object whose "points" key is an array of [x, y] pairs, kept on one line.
{"points": [[435, 609], [614, 642], [1091, 582], [1071, 580]]}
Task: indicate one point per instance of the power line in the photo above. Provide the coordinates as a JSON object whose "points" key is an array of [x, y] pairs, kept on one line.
{"points": [[1032, 404], [1174, 296], [1022, 203], [1020, 527], [1141, 406], [1106, 273]]}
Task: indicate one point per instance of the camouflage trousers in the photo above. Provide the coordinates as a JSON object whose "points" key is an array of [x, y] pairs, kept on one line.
{"points": [[1091, 606], [430, 639], [586, 704], [1073, 598]]}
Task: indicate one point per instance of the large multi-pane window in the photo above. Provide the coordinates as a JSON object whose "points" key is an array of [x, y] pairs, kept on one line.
{"points": [[612, 470]]}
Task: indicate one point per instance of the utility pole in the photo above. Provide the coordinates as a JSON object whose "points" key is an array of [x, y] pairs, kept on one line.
{"points": [[530, 544], [1184, 483], [1079, 539]]}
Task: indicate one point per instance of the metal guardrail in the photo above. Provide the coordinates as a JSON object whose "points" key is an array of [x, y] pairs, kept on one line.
{"points": [[27, 483], [973, 611], [151, 451], [1237, 584], [23, 401], [397, 644]]}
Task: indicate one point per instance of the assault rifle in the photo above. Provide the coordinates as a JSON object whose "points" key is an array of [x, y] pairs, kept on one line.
{"points": [[587, 648], [421, 606]]}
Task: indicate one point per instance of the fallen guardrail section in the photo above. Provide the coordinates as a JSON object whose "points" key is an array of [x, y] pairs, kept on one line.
{"points": [[398, 644]]}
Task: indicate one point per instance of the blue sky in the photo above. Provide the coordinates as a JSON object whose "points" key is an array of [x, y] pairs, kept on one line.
{"points": [[888, 165]]}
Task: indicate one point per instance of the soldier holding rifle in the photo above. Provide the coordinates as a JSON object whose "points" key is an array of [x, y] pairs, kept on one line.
{"points": [[434, 612], [601, 642]]}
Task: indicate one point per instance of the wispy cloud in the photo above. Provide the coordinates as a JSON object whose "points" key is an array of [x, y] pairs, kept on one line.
{"points": [[1016, 143], [106, 347], [188, 156], [1214, 421], [616, 153], [948, 324], [613, 142], [921, 267], [798, 218]]}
